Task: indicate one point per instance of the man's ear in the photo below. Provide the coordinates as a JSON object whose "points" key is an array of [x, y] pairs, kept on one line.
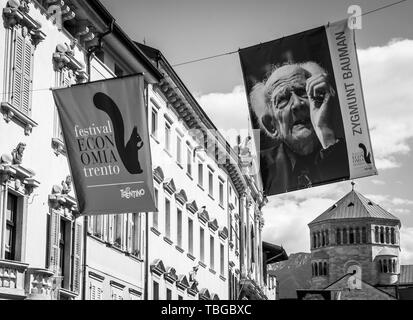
{"points": [[269, 125]]}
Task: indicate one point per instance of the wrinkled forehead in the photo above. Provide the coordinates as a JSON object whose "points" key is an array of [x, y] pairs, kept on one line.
{"points": [[286, 76]]}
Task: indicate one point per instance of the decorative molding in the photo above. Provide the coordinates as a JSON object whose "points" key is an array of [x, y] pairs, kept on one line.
{"points": [[16, 13], [213, 225], [158, 175], [12, 113], [170, 275], [203, 215], [63, 58], [169, 186], [223, 233], [58, 146], [231, 206], [190, 256], [204, 294], [181, 196], [157, 267], [192, 207], [182, 282], [193, 288], [215, 296]]}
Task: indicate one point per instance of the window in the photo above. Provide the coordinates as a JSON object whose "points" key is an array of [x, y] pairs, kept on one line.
{"points": [[118, 230], [202, 244], [180, 298], [200, 174], [11, 214], [222, 251], [393, 236], [179, 227], [95, 289], [189, 162], [64, 249], [387, 235], [211, 252], [167, 218], [190, 236], [211, 183], [154, 121], [381, 234], [364, 235], [116, 292], [358, 236], [155, 215], [221, 193], [167, 136], [22, 70], [327, 238], [155, 293], [345, 236], [97, 226], [134, 237], [351, 236], [179, 150], [376, 235], [168, 294]]}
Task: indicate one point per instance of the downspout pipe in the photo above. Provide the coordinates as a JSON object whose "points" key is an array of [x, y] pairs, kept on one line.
{"points": [[99, 46]]}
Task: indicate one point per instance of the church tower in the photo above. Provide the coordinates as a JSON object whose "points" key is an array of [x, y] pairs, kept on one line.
{"points": [[355, 235]]}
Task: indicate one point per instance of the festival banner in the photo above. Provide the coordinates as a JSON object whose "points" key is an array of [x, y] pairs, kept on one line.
{"points": [[105, 129], [305, 96]]}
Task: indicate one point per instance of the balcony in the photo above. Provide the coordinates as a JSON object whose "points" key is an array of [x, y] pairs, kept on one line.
{"points": [[19, 282], [12, 280]]}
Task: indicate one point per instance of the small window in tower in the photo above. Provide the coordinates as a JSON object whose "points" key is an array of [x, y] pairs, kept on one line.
{"points": [[351, 204]]}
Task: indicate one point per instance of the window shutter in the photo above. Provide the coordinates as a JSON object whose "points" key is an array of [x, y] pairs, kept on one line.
{"points": [[18, 70], [77, 256], [54, 241], [92, 292], [27, 78]]}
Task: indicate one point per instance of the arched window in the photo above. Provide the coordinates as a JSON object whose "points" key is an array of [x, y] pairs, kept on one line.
{"points": [[394, 266], [381, 235], [338, 236], [387, 235], [316, 269], [323, 238], [376, 235], [385, 269], [393, 236], [327, 238], [364, 235], [319, 239], [351, 235], [358, 236], [345, 236], [320, 268], [380, 266], [312, 269], [314, 240], [325, 269]]}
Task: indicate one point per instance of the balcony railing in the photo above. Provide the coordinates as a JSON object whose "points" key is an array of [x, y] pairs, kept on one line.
{"points": [[18, 281]]}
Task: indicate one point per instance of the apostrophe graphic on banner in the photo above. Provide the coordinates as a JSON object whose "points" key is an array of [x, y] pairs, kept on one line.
{"points": [[128, 153], [366, 154]]}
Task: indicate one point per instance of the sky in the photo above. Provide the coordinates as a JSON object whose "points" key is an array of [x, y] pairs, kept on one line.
{"points": [[186, 30]]}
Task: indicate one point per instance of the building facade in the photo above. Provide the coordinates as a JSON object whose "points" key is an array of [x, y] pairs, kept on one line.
{"points": [[205, 241]]}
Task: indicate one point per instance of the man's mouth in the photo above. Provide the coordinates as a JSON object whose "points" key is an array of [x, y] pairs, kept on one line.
{"points": [[302, 122]]}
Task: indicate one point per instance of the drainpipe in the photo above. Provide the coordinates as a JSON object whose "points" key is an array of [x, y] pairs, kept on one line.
{"points": [[89, 54], [99, 46]]}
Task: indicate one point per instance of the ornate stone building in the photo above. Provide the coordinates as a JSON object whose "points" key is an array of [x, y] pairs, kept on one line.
{"points": [[355, 247]]}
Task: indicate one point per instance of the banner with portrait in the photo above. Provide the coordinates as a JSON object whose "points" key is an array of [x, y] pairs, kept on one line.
{"points": [[305, 97], [105, 129]]}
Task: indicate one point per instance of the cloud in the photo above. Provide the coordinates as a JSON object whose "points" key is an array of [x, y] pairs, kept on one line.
{"points": [[378, 182], [406, 242], [386, 75], [388, 201]]}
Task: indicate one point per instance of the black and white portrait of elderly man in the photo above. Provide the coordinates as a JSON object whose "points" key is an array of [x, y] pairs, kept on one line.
{"points": [[298, 108]]}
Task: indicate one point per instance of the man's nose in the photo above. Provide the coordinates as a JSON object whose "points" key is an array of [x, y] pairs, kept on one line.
{"points": [[296, 103]]}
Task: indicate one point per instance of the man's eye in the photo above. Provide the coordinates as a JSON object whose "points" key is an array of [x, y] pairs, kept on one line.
{"points": [[282, 102]]}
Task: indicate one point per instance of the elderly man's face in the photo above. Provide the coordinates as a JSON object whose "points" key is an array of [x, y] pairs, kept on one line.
{"points": [[290, 108]]}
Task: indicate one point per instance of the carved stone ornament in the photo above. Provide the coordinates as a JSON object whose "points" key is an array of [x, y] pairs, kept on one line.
{"points": [[17, 153], [16, 13]]}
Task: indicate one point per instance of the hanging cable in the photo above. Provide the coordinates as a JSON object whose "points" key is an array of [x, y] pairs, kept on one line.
{"points": [[236, 51]]}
